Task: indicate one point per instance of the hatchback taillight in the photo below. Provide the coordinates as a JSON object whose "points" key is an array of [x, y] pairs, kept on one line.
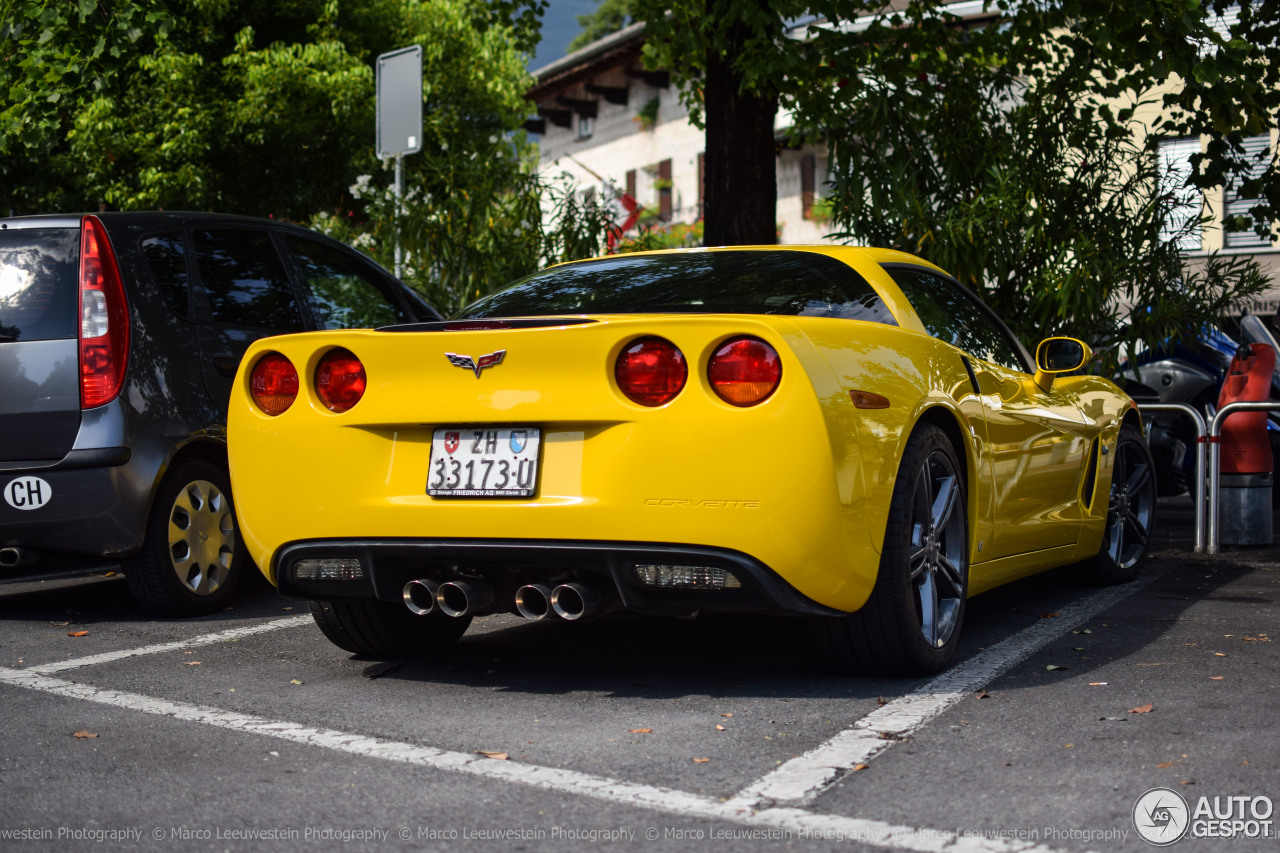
{"points": [[744, 371], [651, 371], [104, 318], [340, 380], [274, 383]]}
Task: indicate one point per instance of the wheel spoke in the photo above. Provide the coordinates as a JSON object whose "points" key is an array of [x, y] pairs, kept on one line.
{"points": [[1137, 479], [944, 504], [922, 510], [1136, 527], [928, 593], [952, 576], [1115, 537]]}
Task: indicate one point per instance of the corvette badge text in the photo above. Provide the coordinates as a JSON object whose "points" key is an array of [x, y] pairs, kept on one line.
{"points": [[1163, 816], [689, 503]]}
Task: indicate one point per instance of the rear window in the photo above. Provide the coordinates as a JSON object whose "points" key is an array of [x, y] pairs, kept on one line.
{"points": [[39, 296], [797, 283]]}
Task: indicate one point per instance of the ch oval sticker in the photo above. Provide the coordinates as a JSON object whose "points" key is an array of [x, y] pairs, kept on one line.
{"points": [[27, 493]]}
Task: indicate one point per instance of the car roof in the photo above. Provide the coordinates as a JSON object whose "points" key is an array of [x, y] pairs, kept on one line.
{"points": [[140, 218]]}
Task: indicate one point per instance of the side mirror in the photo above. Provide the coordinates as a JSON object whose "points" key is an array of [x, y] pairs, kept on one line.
{"points": [[1059, 355]]}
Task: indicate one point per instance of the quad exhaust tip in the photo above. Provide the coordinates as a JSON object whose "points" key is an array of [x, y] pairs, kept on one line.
{"points": [[533, 601], [420, 596], [463, 598], [573, 601]]}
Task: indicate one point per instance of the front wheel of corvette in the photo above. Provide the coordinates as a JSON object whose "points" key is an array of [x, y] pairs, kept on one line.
{"points": [[1131, 510], [368, 626], [911, 623]]}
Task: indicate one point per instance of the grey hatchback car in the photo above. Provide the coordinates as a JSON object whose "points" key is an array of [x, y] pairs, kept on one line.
{"points": [[120, 335]]}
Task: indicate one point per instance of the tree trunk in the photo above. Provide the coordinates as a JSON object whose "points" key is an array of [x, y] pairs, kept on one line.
{"points": [[741, 199]]}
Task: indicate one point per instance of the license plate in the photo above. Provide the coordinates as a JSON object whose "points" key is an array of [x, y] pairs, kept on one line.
{"points": [[484, 462]]}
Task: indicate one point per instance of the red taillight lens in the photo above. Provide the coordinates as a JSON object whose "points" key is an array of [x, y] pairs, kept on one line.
{"points": [[651, 371], [274, 383], [340, 380], [744, 371], [104, 318]]}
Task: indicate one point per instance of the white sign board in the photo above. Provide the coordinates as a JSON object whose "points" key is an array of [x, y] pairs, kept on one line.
{"points": [[400, 102]]}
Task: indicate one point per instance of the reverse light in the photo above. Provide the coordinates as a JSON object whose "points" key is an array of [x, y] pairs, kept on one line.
{"points": [[104, 318], [328, 569], [744, 371], [651, 371], [274, 383], [340, 380], [686, 577]]}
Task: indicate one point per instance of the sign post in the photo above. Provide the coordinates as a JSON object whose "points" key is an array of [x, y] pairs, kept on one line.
{"points": [[399, 116]]}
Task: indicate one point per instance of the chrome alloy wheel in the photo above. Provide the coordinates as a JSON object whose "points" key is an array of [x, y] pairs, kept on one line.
{"points": [[938, 568], [1129, 514], [202, 537]]}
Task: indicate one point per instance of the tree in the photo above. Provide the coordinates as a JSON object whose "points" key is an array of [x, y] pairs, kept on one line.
{"points": [[609, 17], [1013, 156]]}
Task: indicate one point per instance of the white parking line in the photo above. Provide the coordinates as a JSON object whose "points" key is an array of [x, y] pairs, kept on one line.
{"points": [[801, 824], [203, 640], [802, 778]]}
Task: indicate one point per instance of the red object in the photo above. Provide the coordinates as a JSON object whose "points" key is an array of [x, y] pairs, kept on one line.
{"points": [[104, 318], [632, 208], [744, 371], [274, 383], [340, 380], [651, 371], [1245, 447]]}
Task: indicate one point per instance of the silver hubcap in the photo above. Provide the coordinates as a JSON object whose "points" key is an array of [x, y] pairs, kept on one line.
{"points": [[939, 555], [202, 537], [1133, 496]]}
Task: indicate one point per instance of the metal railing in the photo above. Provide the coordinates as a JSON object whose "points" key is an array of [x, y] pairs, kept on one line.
{"points": [[1197, 488], [1215, 453], [1207, 500]]}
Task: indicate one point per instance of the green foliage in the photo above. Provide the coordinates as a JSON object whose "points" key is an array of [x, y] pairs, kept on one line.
{"points": [[609, 17], [647, 115], [1002, 155]]}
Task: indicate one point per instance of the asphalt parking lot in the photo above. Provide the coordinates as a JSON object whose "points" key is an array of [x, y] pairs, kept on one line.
{"points": [[248, 730]]}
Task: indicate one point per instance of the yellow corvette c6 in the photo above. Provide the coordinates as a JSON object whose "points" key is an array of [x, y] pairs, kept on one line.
{"points": [[838, 433]]}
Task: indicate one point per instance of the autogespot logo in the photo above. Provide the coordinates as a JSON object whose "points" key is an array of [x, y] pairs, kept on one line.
{"points": [[1161, 816]]}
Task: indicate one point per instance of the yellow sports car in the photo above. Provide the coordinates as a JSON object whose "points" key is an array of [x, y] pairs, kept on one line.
{"points": [[838, 433]]}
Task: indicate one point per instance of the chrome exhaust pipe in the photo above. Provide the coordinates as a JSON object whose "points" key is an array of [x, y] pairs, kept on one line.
{"points": [[463, 598], [533, 601], [574, 601], [11, 557], [420, 596]]}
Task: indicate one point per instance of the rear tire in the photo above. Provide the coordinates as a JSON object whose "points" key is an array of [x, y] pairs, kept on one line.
{"points": [[385, 629], [1131, 512], [911, 623], [192, 556]]}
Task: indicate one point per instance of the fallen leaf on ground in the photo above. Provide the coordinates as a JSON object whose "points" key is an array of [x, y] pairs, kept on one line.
{"points": [[496, 755], [294, 681], [1165, 765], [286, 608], [730, 714], [881, 701], [84, 734], [1097, 684], [1053, 615], [858, 767], [641, 731], [78, 634], [719, 727], [193, 663], [59, 624], [1219, 655], [1216, 677], [701, 760], [1143, 709], [1053, 666], [1068, 746], [982, 694]]}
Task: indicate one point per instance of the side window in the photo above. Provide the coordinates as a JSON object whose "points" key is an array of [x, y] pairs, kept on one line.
{"points": [[341, 294], [166, 254], [245, 279], [951, 315]]}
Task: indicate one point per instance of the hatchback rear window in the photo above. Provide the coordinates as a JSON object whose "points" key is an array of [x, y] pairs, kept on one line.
{"points": [[39, 292], [800, 283]]}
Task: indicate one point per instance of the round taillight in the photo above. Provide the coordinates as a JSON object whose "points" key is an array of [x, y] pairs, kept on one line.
{"points": [[340, 380], [744, 371], [651, 371], [274, 383]]}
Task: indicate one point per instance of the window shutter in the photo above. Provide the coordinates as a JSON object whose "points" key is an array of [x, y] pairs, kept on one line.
{"points": [[664, 190], [808, 167]]}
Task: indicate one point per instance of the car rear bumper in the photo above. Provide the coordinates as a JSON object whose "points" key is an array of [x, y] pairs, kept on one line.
{"points": [[92, 502], [503, 566]]}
